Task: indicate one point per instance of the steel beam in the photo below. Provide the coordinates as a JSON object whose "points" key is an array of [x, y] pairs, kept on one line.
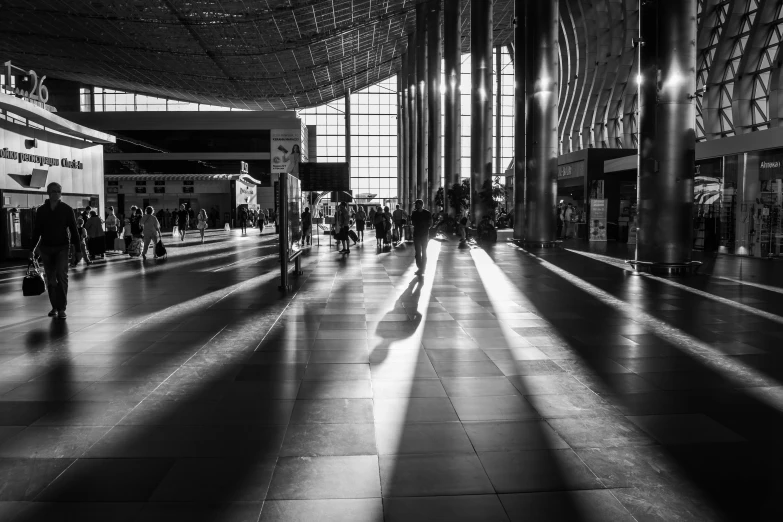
{"points": [[481, 107], [452, 135], [434, 56], [541, 77], [667, 137], [421, 101]]}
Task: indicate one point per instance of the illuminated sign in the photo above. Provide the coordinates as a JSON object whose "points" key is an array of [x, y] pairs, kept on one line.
{"points": [[571, 170], [243, 167], [23, 157], [38, 93]]}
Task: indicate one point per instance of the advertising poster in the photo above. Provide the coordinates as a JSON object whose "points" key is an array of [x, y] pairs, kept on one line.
{"points": [[286, 151], [632, 231], [247, 192], [597, 220]]}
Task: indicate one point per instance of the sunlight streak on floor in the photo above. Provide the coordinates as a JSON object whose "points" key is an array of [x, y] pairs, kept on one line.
{"points": [[728, 368], [723, 300]]}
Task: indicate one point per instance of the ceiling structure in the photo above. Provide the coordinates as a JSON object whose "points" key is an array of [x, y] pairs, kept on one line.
{"points": [[250, 54], [290, 54]]}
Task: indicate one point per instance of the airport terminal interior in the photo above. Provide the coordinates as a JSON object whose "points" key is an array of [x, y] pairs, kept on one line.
{"points": [[258, 323]]}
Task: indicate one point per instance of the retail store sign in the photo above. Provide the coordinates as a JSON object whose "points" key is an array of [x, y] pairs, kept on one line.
{"points": [[243, 167], [571, 170], [23, 157], [37, 95]]}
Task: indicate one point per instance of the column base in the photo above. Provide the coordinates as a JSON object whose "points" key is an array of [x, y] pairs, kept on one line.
{"points": [[524, 243], [665, 269]]}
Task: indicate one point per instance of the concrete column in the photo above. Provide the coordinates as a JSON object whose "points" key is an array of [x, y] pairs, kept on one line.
{"points": [[434, 56], [481, 106], [520, 120], [541, 145], [421, 102], [452, 121], [400, 135], [413, 127], [667, 138]]}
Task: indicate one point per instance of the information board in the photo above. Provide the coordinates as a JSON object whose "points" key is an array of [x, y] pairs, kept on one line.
{"points": [[329, 177], [597, 220]]}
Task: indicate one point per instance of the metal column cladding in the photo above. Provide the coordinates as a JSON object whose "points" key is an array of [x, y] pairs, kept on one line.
{"points": [[433, 101], [541, 145], [400, 135], [667, 138], [481, 107], [402, 124], [421, 101], [413, 127], [452, 124], [520, 118]]}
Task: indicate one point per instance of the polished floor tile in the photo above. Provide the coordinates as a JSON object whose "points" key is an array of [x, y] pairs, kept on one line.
{"points": [[504, 385]]}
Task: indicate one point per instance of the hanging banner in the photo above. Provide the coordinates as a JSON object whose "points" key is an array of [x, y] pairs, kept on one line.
{"points": [[597, 220], [286, 151]]}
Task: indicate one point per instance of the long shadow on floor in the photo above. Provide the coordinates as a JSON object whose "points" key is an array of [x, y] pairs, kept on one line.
{"points": [[713, 455], [201, 444]]}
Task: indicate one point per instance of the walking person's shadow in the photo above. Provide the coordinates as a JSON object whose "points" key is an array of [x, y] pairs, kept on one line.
{"points": [[392, 328]]}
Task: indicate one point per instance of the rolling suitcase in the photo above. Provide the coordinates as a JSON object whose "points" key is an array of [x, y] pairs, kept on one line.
{"points": [[352, 236], [134, 250]]}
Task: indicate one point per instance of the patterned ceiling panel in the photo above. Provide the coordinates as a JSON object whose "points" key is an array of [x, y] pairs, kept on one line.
{"points": [[250, 54]]}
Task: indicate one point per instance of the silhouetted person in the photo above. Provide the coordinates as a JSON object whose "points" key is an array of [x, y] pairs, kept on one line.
{"points": [[53, 220], [421, 219]]}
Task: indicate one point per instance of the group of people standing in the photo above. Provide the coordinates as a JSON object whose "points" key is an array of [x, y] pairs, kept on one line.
{"points": [[389, 226]]}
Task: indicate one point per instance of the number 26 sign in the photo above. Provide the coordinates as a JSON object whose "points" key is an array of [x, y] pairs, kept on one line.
{"points": [[38, 91]]}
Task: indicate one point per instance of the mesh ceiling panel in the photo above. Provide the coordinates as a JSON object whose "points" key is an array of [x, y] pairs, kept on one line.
{"points": [[250, 54]]}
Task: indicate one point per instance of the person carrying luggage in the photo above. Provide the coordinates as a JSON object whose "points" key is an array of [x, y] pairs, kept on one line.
{"points": [[53, 222], [151, 230]]}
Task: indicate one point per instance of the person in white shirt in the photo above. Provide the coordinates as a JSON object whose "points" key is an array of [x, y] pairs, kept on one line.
{"points": [[151, 230]]}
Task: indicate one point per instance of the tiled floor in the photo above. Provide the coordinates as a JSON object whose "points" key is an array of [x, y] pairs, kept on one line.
{"points": [[504, 385]]}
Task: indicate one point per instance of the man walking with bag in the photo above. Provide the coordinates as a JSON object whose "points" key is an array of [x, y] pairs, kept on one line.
{"points": [[53, 220], [421, 219]]}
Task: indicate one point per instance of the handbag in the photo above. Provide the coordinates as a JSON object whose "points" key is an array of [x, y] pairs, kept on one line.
{"points": [[33, 283], [174, 231], [160, 249]]}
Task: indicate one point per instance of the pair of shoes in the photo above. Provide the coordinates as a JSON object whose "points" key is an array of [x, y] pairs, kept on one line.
{"points": [[53, 313], [61, 314]]}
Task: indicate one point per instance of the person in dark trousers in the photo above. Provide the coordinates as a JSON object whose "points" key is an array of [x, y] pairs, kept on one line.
{"points": [[243, 219], [53, 221], [307, 225], [182, 221], [421, 219]]}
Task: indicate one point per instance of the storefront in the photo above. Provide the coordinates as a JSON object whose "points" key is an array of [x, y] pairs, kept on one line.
{"points": [[38, 148], [582, 179], [220, 193]]}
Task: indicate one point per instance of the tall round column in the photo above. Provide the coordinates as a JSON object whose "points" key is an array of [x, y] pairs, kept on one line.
{"points": [[421, 101], [481, 107], [434, 57], [667, 138], [452, 122], [402, 149], [413, 127], [541, 78], [520, 119]]}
